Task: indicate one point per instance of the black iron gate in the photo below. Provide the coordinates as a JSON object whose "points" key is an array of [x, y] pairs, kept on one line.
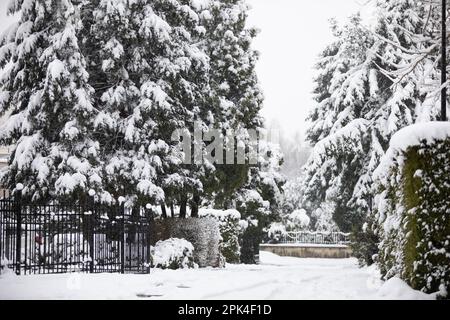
{"points": [[60, 238]]}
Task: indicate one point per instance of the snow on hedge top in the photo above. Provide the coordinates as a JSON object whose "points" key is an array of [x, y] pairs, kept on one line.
{"points": [[221, 215], [412, 136], [200, 4], [415, 134]]}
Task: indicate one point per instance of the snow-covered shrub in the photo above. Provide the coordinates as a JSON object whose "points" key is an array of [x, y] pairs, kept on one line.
{"points": [[204, 235], [298, 220], [364, 243], [4, 264], [275, 232], [323, 217], [413, 207], [231, 227], [173, 254]]}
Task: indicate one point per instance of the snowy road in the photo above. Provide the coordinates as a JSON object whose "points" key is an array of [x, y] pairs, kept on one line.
{"points": [[275, 278]]}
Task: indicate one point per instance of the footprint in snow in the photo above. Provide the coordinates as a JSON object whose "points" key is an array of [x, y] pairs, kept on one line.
{"points": [[148, 295]]}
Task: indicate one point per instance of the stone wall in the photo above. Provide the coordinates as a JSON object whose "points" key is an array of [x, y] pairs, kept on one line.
{"points": [[308, 251]]}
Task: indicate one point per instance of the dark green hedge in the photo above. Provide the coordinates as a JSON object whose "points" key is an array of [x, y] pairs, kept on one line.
{"points": [[413, 217]]}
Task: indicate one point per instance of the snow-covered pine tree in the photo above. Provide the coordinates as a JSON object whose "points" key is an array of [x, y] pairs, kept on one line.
{"points": [[359, 110], [236, 101], [259, 200], [150, 76], [345, 83], [408, 37], [409, 46], [236, 98], [46, 88]]}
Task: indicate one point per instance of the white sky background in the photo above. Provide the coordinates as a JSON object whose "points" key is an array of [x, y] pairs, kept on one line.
{"points": [[293, 33], [5, 20]]}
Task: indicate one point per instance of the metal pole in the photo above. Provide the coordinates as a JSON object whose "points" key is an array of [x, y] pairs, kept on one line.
{"points": [[444, 62], [122, 239], [18, 211], [91, 239]]}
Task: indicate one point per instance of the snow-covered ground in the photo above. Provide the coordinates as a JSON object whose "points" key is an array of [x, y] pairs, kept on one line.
{"points": [[275, 278]]}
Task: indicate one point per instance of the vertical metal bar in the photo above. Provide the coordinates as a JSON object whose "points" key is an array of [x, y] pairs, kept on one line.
{"points": [[91, 236], [2, 242], [44, 237], [18, 211], [149, 234], [444, 62], [122, 238], [79, 238], [66, 241], [27, 243]]}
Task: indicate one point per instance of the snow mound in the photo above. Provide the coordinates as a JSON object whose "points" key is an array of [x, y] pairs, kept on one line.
{"points": [[221, 215], [396, 289]]}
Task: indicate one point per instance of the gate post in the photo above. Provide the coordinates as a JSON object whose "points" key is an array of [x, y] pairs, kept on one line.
{"points": [[150, 222], [91, 228], [18, 212], [122, 238]]}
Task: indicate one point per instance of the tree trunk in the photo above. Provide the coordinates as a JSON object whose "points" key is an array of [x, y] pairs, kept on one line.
{"points": [[172, 210], [195, 205], [164, 211], [183, 205]]}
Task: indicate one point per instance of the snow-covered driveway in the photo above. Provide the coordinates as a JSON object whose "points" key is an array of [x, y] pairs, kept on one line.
{"points": [[276, 278]]}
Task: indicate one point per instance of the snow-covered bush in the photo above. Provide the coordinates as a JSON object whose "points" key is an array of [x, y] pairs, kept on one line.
{"points": [[275, 232], [204, 235], [364, 243], [413, 207], [323, 218], [298, 220], [231, 227], [173, 254]]}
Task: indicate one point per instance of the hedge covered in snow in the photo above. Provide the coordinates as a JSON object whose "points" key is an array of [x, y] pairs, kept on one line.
{"points": [[412, 214], [204, 236], [230, 227], [203, 233]]}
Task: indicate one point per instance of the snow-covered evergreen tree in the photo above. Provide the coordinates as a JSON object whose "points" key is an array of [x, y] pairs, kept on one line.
{"points": [[46, 89], [345, 83], [236, 98], [259, 200], [150, 78], [371, 83]]}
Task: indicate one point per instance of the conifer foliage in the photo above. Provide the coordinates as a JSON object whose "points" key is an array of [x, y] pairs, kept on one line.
{"points": [[97, 88], [372, 81], [46, 87]]}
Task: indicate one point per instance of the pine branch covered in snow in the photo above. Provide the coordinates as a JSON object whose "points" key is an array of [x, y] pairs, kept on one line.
{"points": [[46, 89], [372, 81]]}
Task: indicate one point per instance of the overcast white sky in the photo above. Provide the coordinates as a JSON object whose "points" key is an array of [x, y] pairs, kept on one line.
{"points": [[293, 32]]}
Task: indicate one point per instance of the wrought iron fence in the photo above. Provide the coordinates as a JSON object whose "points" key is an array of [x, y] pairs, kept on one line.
{"points": [[306, 237], [60, 238]]}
